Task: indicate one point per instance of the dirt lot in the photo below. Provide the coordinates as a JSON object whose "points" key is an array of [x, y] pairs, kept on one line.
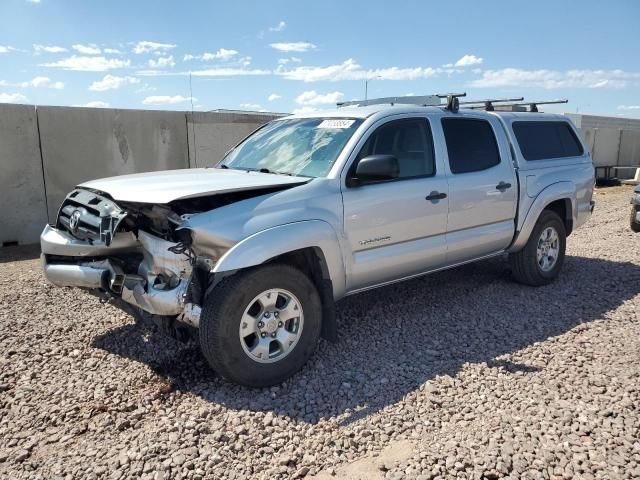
{"points": [[462, 374]]}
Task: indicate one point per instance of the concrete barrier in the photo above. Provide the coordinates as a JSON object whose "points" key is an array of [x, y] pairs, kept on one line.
{"points": [[80, 144], [212, 134], [22, 193]]}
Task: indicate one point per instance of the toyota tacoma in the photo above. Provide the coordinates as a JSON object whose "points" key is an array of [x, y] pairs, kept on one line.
{"points": [[250, 255]]}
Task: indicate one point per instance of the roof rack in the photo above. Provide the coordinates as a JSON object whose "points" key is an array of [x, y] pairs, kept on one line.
{"points": [[533, 106], [424, 101], [488, 103], [452, 104]]}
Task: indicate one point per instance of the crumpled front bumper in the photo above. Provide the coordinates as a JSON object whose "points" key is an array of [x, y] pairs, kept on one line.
{"points": [[159, 286]]}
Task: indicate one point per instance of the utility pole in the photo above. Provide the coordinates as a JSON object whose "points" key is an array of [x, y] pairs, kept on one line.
{"points": [[366, 85]]}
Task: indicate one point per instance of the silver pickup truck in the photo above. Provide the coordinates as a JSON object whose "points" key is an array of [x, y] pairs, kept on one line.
{"points": [[251, 255]]}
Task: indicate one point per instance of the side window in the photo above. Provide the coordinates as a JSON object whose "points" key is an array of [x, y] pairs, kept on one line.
{"points": [[409, 140], [471, 144], [542, 140]]}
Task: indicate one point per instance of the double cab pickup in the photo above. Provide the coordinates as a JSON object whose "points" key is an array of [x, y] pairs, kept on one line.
{"points": [[249, 256]]}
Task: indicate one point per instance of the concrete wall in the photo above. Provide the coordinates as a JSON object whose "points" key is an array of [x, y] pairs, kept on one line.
{"points": [[212, 134], [46, 151], [22, 194], [80, 144]]}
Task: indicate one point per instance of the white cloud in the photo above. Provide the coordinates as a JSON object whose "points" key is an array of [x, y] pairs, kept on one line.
{"points": [[86, 49], [350, 70], [88, 64], [221, 54], [293, 46], [305, 110], [162, 62], [6, 49], [13, 98], [314, 98], [48, 49], [284, 61], [37, 82], [274, 96], [94, 104], [217, 72], [113, 51], [628, 107], [468, 60], [146, 46], [111, 82], [280, 27], [45, 82], [166, 99], [516, 77]]}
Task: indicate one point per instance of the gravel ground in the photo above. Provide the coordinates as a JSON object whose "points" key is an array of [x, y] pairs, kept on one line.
{"points": [[462, 374]]}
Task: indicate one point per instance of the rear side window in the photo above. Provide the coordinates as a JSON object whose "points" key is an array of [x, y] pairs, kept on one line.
{"points": [[471, 144], [542, 140]]}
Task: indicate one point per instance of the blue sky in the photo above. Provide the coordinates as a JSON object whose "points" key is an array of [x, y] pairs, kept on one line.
{"points": [[287, 56]]}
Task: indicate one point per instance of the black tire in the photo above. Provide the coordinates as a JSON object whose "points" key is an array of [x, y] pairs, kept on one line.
{"points": [[635, 226], [524, 264], [220, 322]]}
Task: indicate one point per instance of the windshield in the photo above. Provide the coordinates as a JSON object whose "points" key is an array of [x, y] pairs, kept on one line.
{"points": [[300, 146]]}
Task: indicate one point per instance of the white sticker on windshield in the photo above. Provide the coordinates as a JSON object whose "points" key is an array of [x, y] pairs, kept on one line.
{"points": [[335, 123]]}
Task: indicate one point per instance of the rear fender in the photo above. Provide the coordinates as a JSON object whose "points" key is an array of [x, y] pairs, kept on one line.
{"points": [[556, 191], [273, 242]]}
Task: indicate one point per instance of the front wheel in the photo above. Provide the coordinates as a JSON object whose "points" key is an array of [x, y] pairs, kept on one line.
{"points": [[260, 326], [540, 261]]}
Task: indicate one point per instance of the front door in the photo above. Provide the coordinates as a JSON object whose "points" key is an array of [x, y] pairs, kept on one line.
{"points": [[397, 228]]}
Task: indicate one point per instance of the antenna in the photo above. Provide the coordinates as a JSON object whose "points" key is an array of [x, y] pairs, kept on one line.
{"points": [[193, 123]]}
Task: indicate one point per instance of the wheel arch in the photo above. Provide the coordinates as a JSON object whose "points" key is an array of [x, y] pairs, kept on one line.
{"points": [[560, 198], [311, 246]]}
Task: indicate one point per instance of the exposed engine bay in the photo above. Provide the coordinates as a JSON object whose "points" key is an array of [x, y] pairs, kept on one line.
{"points": [[135, 252]]}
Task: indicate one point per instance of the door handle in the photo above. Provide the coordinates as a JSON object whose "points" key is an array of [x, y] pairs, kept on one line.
{"points": [[502, 186], [436, 196]]}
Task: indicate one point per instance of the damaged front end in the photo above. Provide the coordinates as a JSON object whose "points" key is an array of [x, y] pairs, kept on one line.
{"points": [[131, 253]]}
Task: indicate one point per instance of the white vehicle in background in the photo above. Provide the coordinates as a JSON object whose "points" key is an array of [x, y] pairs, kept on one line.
{"points": [[250, 256]]}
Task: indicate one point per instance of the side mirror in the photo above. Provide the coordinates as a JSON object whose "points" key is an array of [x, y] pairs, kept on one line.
{"points": [[375, 168]]}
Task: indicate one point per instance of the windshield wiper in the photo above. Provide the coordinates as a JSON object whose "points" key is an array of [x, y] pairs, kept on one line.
{"points": [[263, 170]]}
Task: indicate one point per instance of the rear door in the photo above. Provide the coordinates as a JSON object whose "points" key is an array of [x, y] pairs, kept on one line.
{"points": [[393, 229], [482, 187]]}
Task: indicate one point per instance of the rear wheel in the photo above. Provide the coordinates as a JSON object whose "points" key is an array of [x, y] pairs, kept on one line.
{"points": [[260, 326], [540, 261]]}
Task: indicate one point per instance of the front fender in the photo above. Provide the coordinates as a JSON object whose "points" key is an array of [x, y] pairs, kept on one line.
{"points": [[556, 191], [272, 242]]}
